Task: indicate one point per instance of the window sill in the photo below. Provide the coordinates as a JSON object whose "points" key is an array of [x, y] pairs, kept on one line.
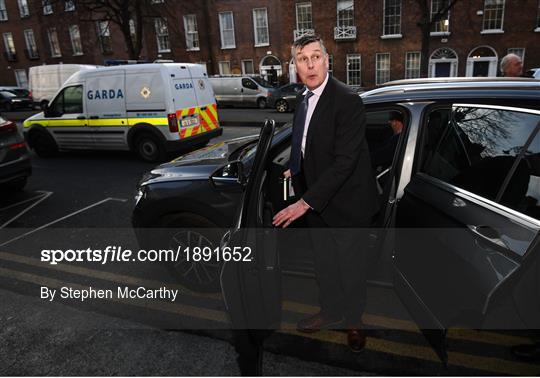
{"points": [[262, 44], [56, 56], [439, 34], [391, 36], [228, 47], [194, 49], [79, 54], [164, 51], [492, 31]]}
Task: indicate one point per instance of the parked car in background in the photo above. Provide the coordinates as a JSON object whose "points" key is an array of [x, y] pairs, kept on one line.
{"points": [[15, 166], [11, 100], [534, 72], [285, 97], [242, 91]]}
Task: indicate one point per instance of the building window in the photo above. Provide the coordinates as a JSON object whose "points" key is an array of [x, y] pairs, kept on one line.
{"points": [[104, 36], [303, 16], [412, 65], [157, 1], [47, 7], [382, 68], [537, 18], [392, 18], [75, 36], [519, 51], [247, 67], [225, 68], [192, 32], [354, 69], [493, 15], [31, 48], [132, 30], [345, 13], [53, 43], [162, 35], [23, 8], [260, 27], [330, 63], [69, 6], [11, 53], [21, 78], [443, 25], [3, 11], [226, 27]]}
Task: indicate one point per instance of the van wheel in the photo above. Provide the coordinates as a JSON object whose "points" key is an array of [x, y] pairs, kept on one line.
{"points": [[150, 148], [42, 143], [282, 106], [43, 104], [261, 103]]}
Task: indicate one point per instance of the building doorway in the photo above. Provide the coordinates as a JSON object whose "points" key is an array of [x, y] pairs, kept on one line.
{"points": [[443, 63], [270, 69], [482, 62]]}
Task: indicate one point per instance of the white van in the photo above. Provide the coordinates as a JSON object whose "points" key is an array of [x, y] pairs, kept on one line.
{"points": [[44, 81], [148, 108], [243, 91]]}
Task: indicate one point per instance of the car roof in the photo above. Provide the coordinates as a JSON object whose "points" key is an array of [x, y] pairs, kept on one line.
{"points": [[454, 88]]}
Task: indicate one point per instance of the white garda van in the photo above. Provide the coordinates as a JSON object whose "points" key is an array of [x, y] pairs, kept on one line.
{"points": [[148, 108], [44, 81]]}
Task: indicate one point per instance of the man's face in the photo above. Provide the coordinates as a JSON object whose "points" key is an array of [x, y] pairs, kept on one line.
{"points": [[514, 68], [311, 65]]}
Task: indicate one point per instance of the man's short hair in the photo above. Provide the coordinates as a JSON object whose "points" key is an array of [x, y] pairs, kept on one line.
{"points": [[397, 116], [506, 60], [305, 40]]}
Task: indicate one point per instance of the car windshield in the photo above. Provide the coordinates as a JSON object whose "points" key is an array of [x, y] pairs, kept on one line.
{"points": [[262, 82], [7, 94]]}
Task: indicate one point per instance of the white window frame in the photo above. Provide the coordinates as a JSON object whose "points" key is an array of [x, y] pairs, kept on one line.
{"points": [[24, 11], [162, 39], [227, 62], [104, 32], [47, 7], [256, 28], [350, 57], [69, 6], [9, 44], [493, 31], [222, 30], [382, 75], [391, 35], [31, 46], [21, 83], [244, 61], [72, 28], [3, 11], [52, 36], [408, 65], [439, 32], [537, 28], [192, 36], [344, 22], [309, 23]]}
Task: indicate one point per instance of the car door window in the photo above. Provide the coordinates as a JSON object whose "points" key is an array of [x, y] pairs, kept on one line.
{"points": [[248, 83], [69, 101], [489, 151]]}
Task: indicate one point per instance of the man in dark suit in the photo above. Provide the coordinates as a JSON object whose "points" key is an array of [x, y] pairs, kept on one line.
{"points": [[331, 172]]}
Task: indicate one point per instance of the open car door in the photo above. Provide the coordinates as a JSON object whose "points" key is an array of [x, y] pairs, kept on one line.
{"points": [[252, 286], [467, 245]]}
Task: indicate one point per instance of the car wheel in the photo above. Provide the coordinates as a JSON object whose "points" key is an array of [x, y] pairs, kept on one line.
{"points": [[201, 276], [282, 106], [43, 104], [261, 103], [150, 148], [16, 185], [42, 143]]}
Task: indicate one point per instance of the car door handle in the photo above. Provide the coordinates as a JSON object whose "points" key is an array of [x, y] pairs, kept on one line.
{"points": [[489, 234], [81, 117], [93, 117]]}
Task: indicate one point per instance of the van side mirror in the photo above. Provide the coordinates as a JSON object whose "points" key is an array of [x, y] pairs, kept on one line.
{"points": [[49, 112], [229, 176]]}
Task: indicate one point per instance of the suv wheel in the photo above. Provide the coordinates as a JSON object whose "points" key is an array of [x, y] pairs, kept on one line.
{"points": [[201, 276], [282, 106], [150, 148], [42, 143], [261, 103]]}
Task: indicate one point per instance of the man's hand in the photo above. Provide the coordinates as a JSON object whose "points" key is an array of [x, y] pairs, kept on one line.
{"points": [[287, 173], [291, 213]]}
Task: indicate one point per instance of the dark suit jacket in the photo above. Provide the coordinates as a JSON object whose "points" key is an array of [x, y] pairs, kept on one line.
{"points": [[337, 168]]}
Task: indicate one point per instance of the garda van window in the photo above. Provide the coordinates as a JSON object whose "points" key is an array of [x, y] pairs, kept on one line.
{"points": [[69, 101]]}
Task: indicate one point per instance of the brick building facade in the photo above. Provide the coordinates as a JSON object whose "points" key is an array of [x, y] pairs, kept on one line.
{"points": [[370, 42]]}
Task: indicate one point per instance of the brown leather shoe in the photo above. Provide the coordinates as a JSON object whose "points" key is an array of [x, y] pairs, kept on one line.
{"points": [[356, 338], [316, 322]]}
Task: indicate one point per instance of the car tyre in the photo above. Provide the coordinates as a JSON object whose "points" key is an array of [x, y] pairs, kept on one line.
{"points": [[194, 231], [16, 185], [261, 103], [150, 148], [282, 106], [42, 143]]}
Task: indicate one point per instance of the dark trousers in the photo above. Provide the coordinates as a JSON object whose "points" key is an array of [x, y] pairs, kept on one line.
{"points": [[340, 257]]}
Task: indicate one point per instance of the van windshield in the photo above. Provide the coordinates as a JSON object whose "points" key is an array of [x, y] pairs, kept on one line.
{"points": [[262, 82]]}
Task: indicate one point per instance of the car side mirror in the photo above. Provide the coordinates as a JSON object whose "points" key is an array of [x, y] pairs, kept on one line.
{"points": [[229, 176]]}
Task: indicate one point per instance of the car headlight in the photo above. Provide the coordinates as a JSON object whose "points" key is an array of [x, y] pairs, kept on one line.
{"points": [[140, 194]]}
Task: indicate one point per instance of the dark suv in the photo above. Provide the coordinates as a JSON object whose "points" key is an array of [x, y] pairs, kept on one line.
{"points": [[15, 164]]}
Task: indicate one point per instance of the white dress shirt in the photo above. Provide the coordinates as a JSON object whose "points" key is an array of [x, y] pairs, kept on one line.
{"points": [[312, 104]]}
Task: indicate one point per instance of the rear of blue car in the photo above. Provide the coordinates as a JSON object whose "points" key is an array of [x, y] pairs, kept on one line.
{"points": [[15, 166]]}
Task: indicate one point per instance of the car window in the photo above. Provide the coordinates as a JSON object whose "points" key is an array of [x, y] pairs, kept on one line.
{"points": [[68, 101], [489, 151], [248, 83], [7, 94]]}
